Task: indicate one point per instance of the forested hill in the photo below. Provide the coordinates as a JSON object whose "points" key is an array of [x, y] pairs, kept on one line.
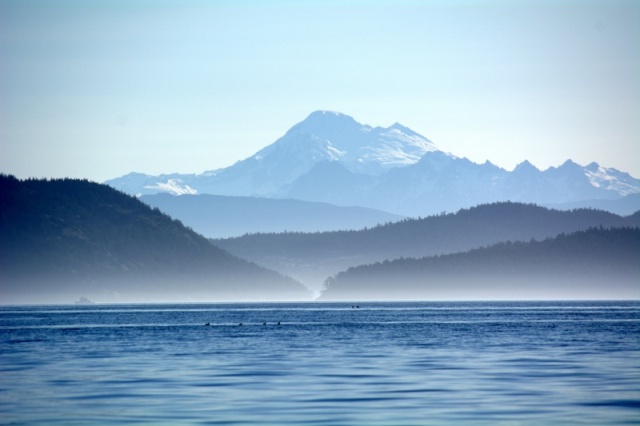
{"points": [[62, 239], [594, 264], [312, 257]]}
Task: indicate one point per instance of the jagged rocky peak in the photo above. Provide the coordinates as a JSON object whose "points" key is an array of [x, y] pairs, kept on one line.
{"points": [[569, 164], [525, 167], [593, 166]]}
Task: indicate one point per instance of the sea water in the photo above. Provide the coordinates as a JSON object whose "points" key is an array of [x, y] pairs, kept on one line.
{"points": [[527, 363]]}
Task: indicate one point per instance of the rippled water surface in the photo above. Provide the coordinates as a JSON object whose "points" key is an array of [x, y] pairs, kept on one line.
{"points": [[338, 364]]}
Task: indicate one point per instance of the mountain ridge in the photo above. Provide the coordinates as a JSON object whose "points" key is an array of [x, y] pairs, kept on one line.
{"points": [[222, 216], [397, 170], [312, 257]]}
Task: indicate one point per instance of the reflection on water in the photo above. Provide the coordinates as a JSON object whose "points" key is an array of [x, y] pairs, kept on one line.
{"points": [[381, 363]]}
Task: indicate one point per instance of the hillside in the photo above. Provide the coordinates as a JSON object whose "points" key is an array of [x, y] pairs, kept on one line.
{"points": [[311, 257], [60, 239], [594, 264], [219, 216]]}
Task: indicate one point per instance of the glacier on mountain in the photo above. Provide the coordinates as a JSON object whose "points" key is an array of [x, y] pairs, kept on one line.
{"points": [[610, 179]]}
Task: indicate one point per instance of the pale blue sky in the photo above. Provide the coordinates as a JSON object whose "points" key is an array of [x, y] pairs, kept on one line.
{"points": [[98, 89]]}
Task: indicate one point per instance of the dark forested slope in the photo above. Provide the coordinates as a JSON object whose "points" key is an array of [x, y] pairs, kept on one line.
{"points": [[312, 257], [66, 238], [594, 264]]}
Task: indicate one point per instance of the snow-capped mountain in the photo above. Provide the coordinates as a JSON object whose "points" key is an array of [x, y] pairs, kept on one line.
{"points": [[360, 148], [330, 157], [322, 136]]}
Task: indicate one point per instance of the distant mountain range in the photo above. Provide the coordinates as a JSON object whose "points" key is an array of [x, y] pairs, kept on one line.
{"points": [[311, 258], [63, 239], [593, 264], [329, 157], [220, 216]]}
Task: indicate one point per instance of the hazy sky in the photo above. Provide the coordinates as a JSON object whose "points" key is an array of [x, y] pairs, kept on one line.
{"points": [[98, 89]]}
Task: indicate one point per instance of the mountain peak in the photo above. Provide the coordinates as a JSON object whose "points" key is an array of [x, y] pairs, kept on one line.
{"points": [[526, 166], [362, 148], [398, 126], [326, 122], [327, 113], [592, 167], [569, 164]]}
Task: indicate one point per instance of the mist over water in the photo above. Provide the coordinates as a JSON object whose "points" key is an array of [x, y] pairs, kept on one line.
{"points": [[531, 363]]}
